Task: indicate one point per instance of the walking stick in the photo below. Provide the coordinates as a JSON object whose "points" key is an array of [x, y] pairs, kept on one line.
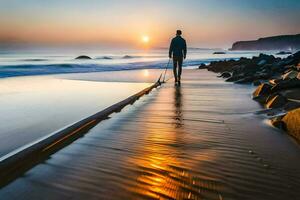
{"points": [[166, 70]]}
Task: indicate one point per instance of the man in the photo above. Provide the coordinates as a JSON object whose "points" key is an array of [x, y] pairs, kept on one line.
{"points": [[178, 52]]}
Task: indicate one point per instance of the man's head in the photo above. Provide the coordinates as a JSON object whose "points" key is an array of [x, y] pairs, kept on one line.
{"points": [[178, 32]]}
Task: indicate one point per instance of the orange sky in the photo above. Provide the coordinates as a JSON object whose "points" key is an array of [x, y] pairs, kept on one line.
{"points": [[205, 23]]}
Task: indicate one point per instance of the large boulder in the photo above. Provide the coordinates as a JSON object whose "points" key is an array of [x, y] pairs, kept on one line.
{"points": [[83, 57], [276, 102], [292, 123]]}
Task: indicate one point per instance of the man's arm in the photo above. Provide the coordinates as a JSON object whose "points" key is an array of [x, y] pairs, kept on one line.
{"points": [[184, 49], [171, 49]]}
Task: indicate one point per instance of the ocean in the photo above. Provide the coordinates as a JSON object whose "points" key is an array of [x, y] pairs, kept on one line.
{"points": [[41, 61]]}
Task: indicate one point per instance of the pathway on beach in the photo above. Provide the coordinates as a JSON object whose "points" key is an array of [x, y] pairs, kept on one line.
{"points": [[202, 140]]}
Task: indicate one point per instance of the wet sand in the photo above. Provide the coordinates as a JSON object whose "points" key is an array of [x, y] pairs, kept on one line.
{"points": [[202, 140], [34, 106]]}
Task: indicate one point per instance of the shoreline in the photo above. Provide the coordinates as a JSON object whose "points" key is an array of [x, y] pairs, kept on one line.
{"points": [[34, 106], [17, 162], [278, 86]]}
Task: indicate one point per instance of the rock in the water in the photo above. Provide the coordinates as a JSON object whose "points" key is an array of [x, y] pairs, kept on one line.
{"points": [[290, 75], [219, 52], [292, 123], [276, 102], [283, 53], [83, 57], [202, 66]]}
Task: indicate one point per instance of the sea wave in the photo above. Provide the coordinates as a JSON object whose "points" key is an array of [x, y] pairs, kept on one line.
{"points": [[43, 69]]}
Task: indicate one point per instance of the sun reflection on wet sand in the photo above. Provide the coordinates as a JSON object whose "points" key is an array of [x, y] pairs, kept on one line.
{"points": [[163, 174]]}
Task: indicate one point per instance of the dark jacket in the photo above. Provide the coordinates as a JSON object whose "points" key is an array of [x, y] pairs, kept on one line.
{"points": [[177, 47]]}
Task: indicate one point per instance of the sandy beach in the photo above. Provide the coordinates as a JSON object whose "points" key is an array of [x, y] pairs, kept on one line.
{"points": [[175, 143]]}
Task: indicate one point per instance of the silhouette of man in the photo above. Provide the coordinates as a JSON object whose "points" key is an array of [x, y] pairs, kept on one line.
{"points": [[177, 51]]}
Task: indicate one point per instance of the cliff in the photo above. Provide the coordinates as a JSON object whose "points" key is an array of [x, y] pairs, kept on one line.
{"points": [[282, 42]]}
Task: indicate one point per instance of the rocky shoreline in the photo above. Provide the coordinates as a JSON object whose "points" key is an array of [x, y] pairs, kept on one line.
{"points": [[278, 82]]}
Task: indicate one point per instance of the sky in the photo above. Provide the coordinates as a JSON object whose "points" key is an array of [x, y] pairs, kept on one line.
{"points": [[205, 23]]}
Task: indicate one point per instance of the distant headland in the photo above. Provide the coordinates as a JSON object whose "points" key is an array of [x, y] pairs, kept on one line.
{"points": [[281, 42]]}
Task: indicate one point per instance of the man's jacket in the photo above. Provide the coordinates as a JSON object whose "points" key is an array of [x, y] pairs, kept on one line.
{"points": [[177, 47]]}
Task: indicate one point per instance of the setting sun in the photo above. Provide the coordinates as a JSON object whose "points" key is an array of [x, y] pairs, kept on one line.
{"points": [[145, 39]]}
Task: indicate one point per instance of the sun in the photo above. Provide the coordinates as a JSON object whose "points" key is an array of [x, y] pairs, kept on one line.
{"points": [[145, 39]]}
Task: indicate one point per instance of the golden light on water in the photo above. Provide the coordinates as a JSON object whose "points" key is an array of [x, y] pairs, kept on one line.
{"points": [[146, 73]]}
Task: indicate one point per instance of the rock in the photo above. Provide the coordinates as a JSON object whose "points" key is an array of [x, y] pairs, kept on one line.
{"points": [[267, 58], [261, 92], [296, 57], [256, 82], [252, 77], [219, 52], [276, 102], [283, 53], [263, 89], [290, 75], [202, 66], [247, 79], [293, 93], [274, 81], [83, 57], [298, 67], [291, 105], [235, 78], [262, 62], [270, 97], [127, 57], [225, 75], [286, 84], [278, 123], [292, 121]]}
